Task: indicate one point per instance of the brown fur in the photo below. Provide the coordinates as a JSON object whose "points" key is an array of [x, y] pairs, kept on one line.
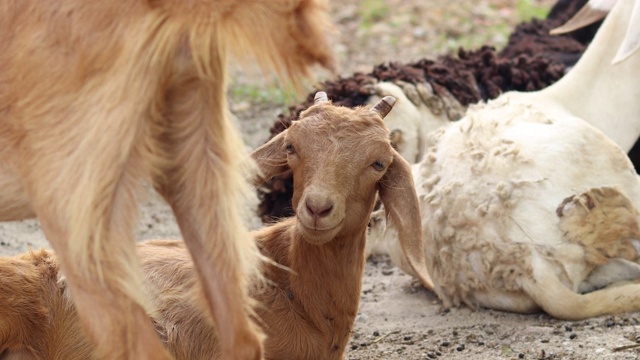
{"points": [[311, 287], [603, 221], [97, 96], [35, 310]]}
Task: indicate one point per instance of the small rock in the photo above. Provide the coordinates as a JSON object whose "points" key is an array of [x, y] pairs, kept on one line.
{"points": [[460, 347], [573, 336], [445, 343]]}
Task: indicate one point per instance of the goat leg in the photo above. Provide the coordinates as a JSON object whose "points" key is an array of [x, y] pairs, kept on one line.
{"points": [[91, 231], [561, 302], [204, 186]]}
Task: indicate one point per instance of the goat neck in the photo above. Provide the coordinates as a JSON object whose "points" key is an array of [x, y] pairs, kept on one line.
{"points": [[319, 291], [605, 94]]}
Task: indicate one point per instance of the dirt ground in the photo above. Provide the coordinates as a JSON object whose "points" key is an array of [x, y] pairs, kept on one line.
{"points": [[398, 319]]}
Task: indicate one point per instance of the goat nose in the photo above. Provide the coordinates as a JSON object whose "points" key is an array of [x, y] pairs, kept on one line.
{"points": [[319, 209]]}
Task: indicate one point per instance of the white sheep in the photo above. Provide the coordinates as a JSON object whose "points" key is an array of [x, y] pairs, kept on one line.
{"points": [[341, 158], [497, 230]]}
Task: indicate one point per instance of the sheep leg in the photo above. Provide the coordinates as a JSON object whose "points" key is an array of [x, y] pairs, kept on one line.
{"points": [[207, 190], [561, 302], [14, 203], [615, 271], [503, 300]]}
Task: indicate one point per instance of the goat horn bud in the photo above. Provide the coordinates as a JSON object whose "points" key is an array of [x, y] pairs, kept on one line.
{"points": [[384, 106], [321, 96]]}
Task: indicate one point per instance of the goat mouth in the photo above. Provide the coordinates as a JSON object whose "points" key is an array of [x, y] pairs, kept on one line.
{"points": [[318, 230], [318, 236]]}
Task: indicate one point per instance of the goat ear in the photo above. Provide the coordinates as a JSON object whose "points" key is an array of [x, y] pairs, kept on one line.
{"points": [[631, 42], [398, 195], [271, 158]]}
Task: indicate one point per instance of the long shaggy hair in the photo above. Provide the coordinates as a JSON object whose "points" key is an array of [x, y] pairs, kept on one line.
{"points": [[96, 97]]}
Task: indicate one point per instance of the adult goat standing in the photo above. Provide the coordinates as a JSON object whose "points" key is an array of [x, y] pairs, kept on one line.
{"points": [[97, 96]]}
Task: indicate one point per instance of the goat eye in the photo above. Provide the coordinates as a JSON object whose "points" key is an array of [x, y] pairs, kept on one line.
{"points": [[378, 165], [290, 149]]}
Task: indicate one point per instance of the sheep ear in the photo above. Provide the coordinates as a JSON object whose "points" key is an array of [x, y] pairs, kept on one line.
{"points": [[631, 42], [271, 158], [398, 195], [594, 10]]}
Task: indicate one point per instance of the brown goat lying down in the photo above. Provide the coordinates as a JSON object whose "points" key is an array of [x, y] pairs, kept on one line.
{"points": [[309, 290], [97, 97]]}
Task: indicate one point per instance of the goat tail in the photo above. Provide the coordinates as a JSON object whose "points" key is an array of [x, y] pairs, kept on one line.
{"points": [[550, 294], [285, 36]]}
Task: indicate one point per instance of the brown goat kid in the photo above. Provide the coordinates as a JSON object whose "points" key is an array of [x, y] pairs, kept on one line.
{"points": [[98, 96], [341, 158]]}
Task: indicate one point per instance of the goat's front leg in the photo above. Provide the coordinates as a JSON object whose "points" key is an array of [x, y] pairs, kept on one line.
{"points": [[97, 255], [207, 191], [14, 203]]}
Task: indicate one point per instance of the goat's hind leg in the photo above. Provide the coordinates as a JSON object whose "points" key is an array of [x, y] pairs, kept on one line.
{"points": [[207, 191]]}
